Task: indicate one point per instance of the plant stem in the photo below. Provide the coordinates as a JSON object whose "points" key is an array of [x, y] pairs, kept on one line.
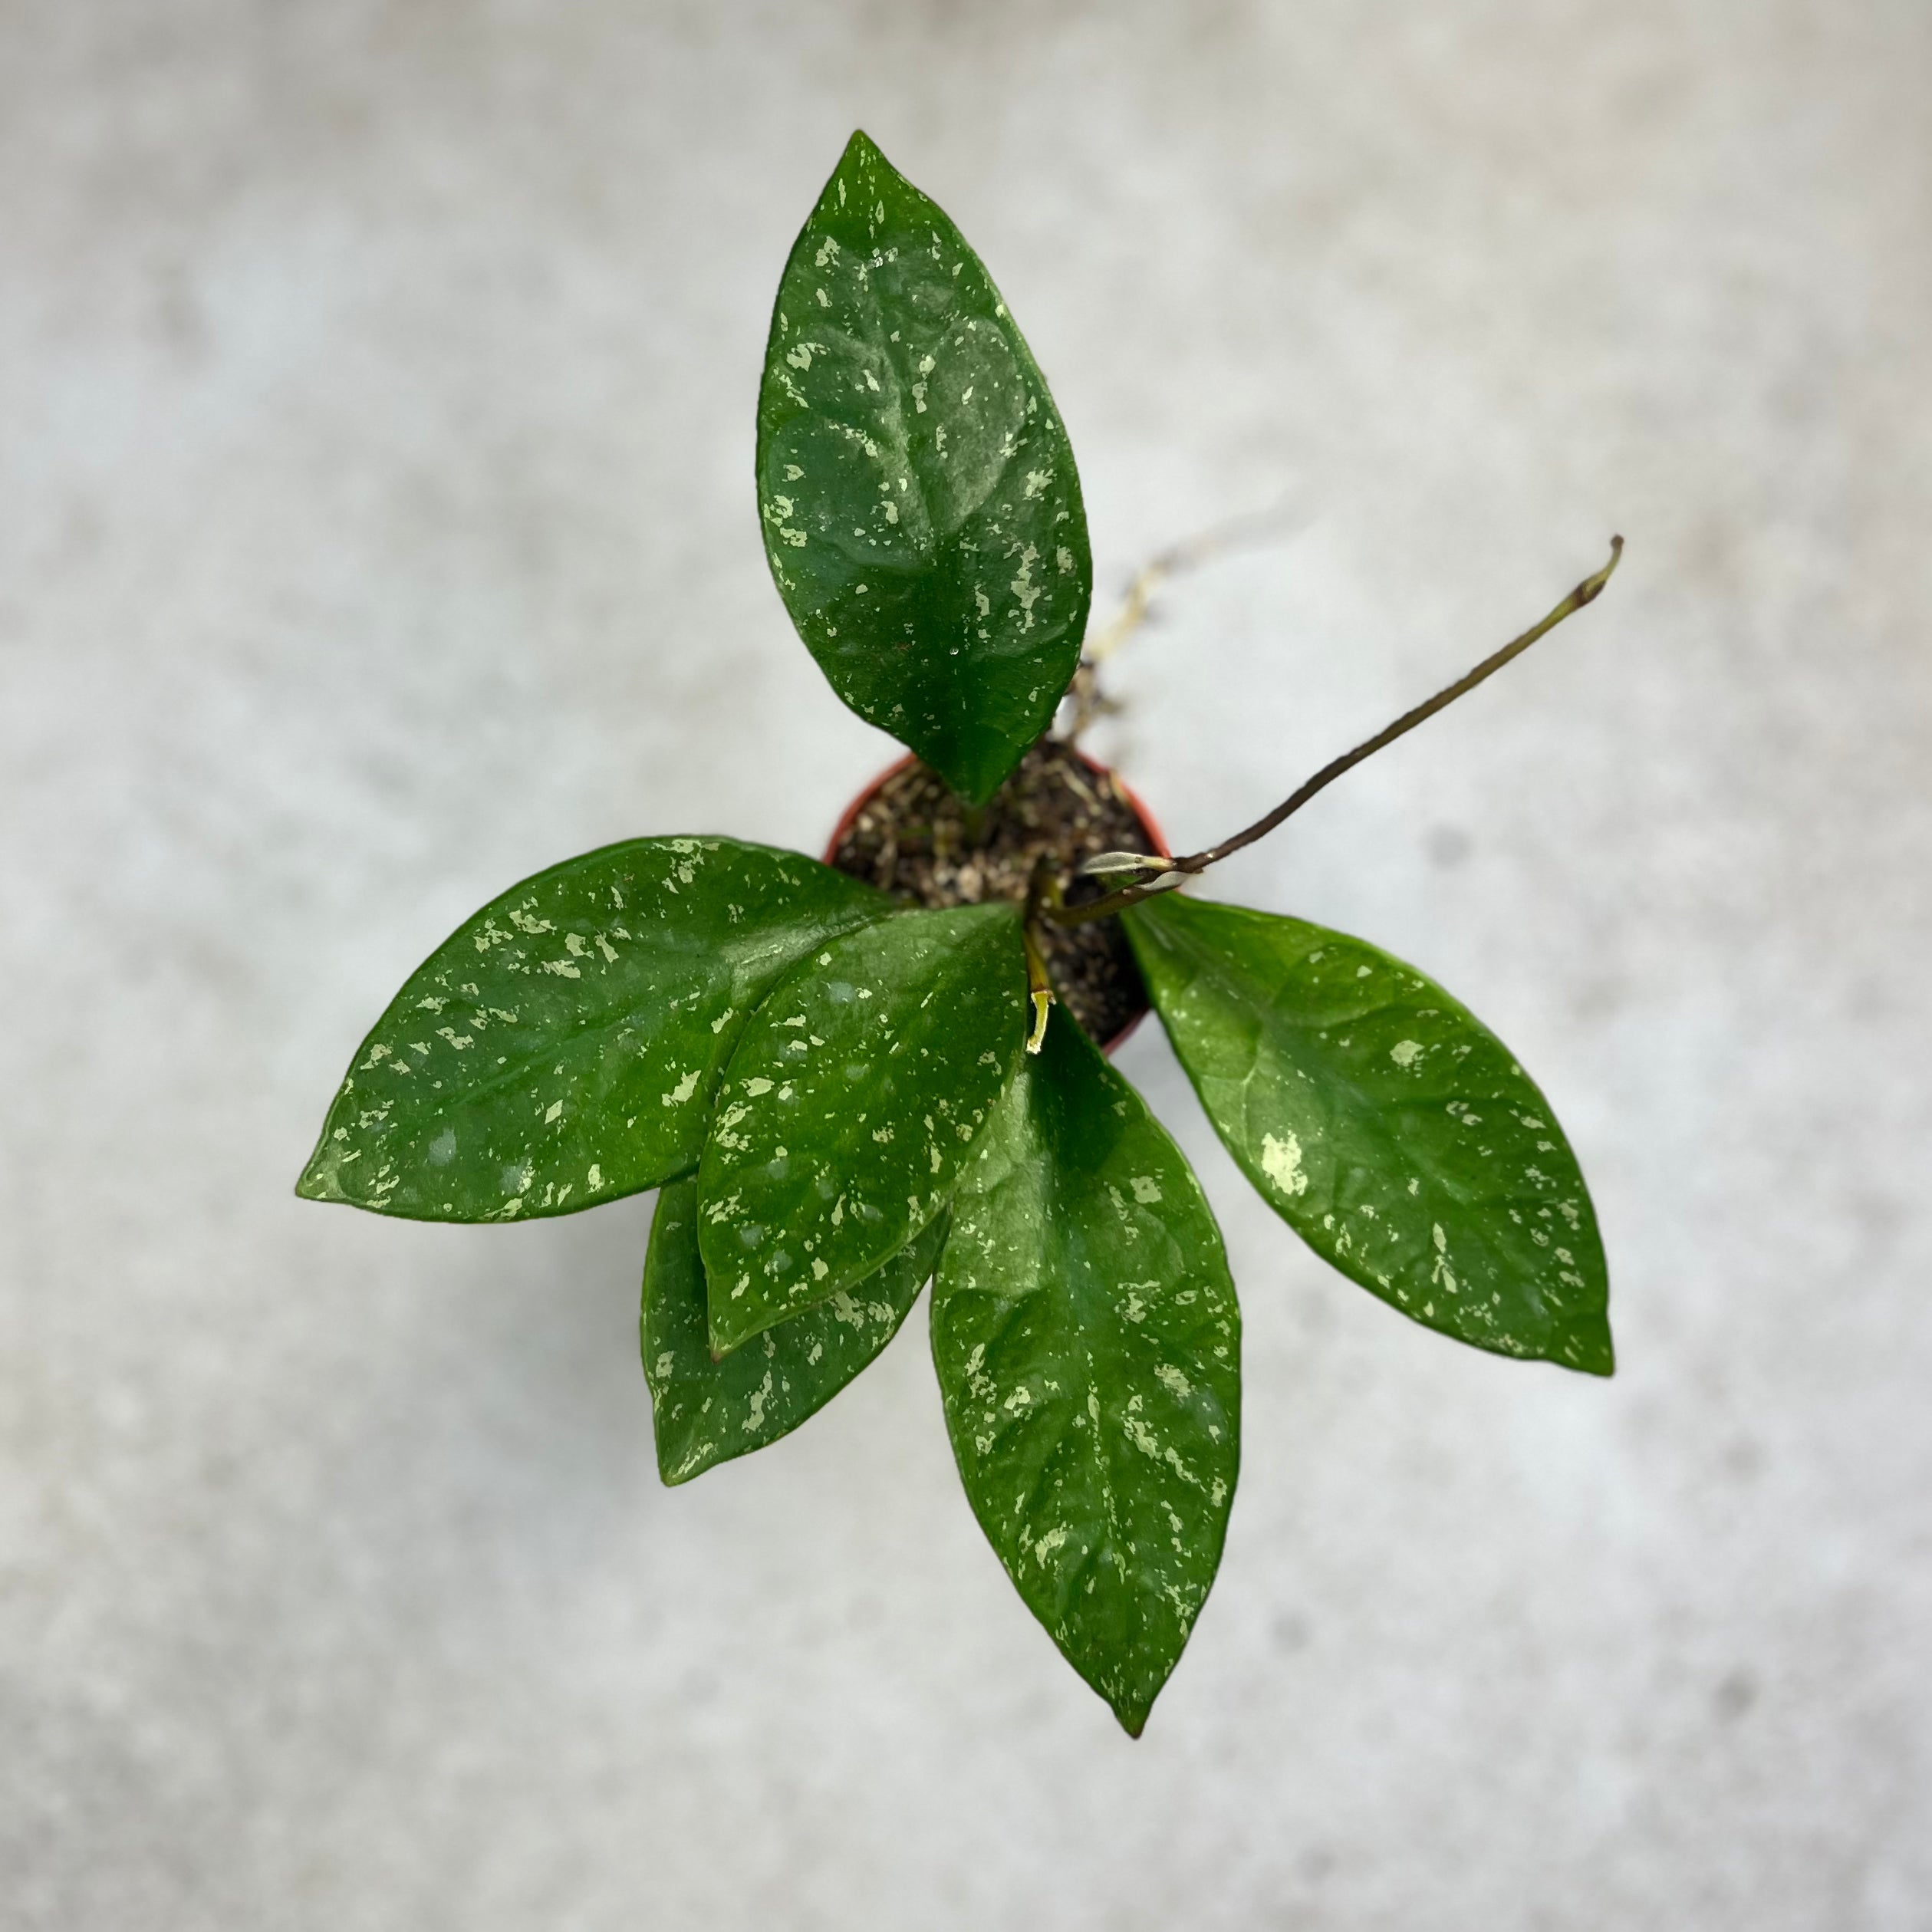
{"points": [[1039, 989], [1586, 592], [1083, 692]]}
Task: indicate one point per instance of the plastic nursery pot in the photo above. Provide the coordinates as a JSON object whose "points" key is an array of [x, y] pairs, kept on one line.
{"points": [[1121, 791]]}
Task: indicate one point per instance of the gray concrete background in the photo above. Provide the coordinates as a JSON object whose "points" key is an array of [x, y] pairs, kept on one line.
{"points": [[377, 526]]}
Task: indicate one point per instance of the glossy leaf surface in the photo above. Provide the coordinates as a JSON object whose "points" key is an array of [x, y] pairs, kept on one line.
{"points": [[560, 1048], [705, 1412], [1385, 1124], [849, 1108], [1088, 1344], [921, 511]]}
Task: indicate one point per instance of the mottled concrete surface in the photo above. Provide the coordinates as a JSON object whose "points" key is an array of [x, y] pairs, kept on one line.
{"points": [[377, 526]]}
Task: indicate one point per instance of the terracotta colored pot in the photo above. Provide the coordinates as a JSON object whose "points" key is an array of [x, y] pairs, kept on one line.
{"points": [[1134, 804]]}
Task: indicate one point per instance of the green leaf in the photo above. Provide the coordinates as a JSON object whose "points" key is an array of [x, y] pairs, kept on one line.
{"points": [[847, 1113], [706, 1411], [560, 1048], [1088, 1346], [921, 510], [1385, 1124]]}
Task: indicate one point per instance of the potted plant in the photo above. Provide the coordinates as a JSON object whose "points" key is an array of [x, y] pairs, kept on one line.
{"points": [[849, 1078]]}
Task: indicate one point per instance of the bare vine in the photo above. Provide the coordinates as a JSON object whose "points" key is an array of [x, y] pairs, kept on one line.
{"points": [[1167, 874]]}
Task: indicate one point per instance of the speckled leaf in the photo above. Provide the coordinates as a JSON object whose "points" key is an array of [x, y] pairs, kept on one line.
{"points": [[847, 1111], [706, 1411], [920, 507], [560, 1048], [1385, 1124], [1088, 1346]]}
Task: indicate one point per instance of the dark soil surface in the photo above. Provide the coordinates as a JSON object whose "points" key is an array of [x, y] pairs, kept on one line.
{"points": [[911, 839]]}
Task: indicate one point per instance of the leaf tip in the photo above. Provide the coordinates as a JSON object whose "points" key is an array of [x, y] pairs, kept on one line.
{"points": [[1597, 1353], [318, 1182], [721, 1342], [862, 151]]}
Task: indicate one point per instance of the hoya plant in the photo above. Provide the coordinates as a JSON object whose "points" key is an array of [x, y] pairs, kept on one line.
{"points": [[850, 1078]]}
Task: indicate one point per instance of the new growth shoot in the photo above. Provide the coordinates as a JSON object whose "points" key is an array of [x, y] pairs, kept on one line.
{"points": [[1166, 874]]}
